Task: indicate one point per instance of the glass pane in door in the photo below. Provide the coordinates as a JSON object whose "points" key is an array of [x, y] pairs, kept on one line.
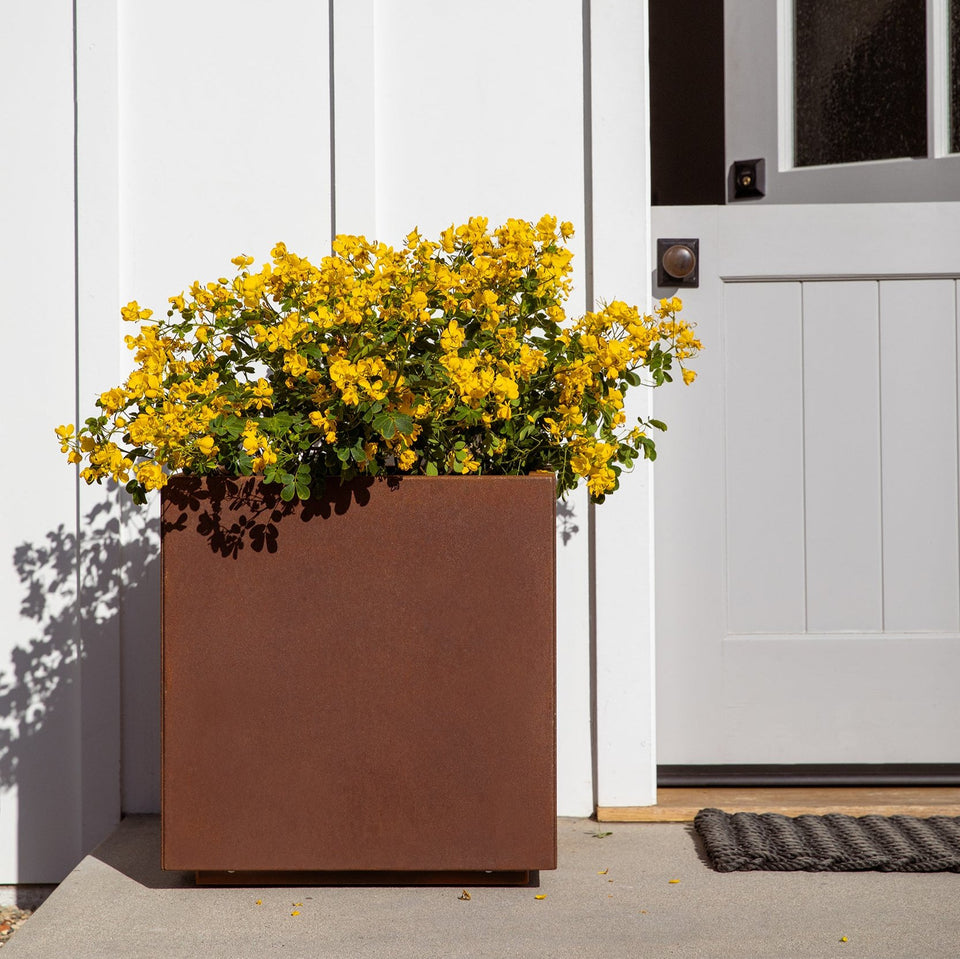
{"points": [[860, 80], [955, 76]]}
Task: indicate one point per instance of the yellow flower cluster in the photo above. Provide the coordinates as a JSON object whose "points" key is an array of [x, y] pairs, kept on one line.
{"points": [[454, 355]]}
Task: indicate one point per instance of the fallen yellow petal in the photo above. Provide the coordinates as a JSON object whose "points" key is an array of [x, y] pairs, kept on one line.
{"points": [[673, 880], [541, 896], [259, 902], [602, 872], [464, 895], [296, 912], [843, 939]]}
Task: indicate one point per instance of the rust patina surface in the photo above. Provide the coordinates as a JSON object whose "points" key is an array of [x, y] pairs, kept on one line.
{"points": [[361, 682]]}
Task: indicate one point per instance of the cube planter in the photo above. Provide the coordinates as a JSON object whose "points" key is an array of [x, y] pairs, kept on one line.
{"points": [[360, 685]]}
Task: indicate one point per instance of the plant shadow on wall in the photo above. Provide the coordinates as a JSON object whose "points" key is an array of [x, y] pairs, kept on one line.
{"points": [[567, 528], [58, 734]]}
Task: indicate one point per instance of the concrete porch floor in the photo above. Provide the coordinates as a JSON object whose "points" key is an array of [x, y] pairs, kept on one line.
{"points": [[611, 897]]}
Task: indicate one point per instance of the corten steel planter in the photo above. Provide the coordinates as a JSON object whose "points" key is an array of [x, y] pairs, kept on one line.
{"points": [[360, 683]]}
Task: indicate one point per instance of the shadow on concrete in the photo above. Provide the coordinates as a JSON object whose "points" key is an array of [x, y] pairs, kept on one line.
{"points": [[134, 850]]}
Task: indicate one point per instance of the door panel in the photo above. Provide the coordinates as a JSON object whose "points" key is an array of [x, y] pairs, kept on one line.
{"points": [[841, 438], [763, 455], [807, 540], [919, 442]]}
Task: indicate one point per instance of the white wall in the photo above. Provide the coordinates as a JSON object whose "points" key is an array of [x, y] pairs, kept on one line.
{"points": [[40, 686], [203, 131]]}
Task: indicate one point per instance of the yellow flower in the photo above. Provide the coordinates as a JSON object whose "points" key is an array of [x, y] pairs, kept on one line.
{"points": [[673, 305], [132, 312], [546, 227], [65, 434], [689, 376], [151, 475], [452, 337], [206, 445], [294, 364]]}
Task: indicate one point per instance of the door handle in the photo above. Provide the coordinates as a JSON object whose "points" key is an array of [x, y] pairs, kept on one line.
{"points": [[678, 263]]}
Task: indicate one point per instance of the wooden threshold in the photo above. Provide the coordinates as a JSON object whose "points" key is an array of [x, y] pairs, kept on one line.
{"points": [[682, 804]]}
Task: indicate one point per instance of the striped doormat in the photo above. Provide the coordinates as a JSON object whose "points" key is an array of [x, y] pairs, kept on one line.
{"points": [[829, 843]]}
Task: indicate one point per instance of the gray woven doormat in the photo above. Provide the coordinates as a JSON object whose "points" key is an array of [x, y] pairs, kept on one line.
{"points": [[830, 843]]}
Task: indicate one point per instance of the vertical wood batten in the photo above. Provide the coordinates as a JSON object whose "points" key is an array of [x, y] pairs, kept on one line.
{"points": [[99, 366], [919, 455], [764, 457], [353, 117], [842, 443], [40, 766], [625, 679]]}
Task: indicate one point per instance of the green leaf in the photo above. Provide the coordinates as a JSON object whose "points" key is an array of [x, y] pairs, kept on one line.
{"points": [[287, 493], [403, 422], [431, 469], [278, 424], [385, 425], [228, 426], [658, 424]]}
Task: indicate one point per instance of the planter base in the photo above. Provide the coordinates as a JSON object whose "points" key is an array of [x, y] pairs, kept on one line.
{"points": [[370, 878]]}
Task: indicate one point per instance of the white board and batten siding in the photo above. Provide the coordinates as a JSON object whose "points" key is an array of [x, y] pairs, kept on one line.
{"points": [[204, 131], [828, 629], [41, 774]]}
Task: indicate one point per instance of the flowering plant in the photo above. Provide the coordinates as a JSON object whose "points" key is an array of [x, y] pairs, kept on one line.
{"points": [[453, 356]]}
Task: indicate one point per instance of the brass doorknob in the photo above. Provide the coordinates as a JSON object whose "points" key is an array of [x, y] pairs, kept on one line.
{"points": [[679, 261]]}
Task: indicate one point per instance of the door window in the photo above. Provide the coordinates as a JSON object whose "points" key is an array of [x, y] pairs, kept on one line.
{"points": [[845, 101], [860, 80], [954, 30]]}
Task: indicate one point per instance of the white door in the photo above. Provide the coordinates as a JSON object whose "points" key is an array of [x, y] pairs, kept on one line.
{"points": [[807, 535]]}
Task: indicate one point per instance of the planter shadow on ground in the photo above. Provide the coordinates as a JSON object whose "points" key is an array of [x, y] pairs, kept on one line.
{"points": [[134, 850]]}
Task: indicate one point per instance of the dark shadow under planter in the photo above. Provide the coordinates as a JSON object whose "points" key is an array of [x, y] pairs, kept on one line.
{"points": [[364, 682]]}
